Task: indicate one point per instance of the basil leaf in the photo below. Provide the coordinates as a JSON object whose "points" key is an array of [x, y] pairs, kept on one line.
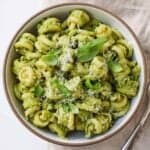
{"points": [[38, 90], [90, 85], [90, 50], [62, 88], [114, 66], [65, 107], [51, 58], [69, 107]]}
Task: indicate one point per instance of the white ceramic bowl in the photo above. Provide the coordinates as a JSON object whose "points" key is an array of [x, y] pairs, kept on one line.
{"points": [[62, 11]]}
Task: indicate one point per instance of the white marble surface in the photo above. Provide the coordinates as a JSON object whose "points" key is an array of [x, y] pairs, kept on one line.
{"points": [[13, 135]]}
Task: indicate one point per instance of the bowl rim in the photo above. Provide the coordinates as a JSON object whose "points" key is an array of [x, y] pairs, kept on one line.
{"points": [[9, 99]]}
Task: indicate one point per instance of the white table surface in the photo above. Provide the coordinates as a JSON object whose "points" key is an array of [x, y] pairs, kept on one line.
{"points": [[13, 135]]}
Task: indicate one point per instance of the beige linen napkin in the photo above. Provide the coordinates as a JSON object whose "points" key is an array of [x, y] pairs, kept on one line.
{"points": [[136, 13]]}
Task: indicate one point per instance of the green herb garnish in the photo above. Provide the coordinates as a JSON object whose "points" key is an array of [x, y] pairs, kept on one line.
{"points": [[90, 85], [62, 88], [114, 66], [51, 58], [90, 50], [69, 107], [38, 90]]}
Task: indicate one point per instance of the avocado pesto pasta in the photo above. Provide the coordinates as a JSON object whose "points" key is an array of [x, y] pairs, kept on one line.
{"points": [[76, 74]]}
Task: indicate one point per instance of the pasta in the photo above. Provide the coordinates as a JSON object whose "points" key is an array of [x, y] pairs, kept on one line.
{"points": [[25, 43], [76, 74], [43, 44]]}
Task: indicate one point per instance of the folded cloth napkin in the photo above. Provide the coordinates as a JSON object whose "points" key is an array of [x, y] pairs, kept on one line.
{"points": [[136, 13]]}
